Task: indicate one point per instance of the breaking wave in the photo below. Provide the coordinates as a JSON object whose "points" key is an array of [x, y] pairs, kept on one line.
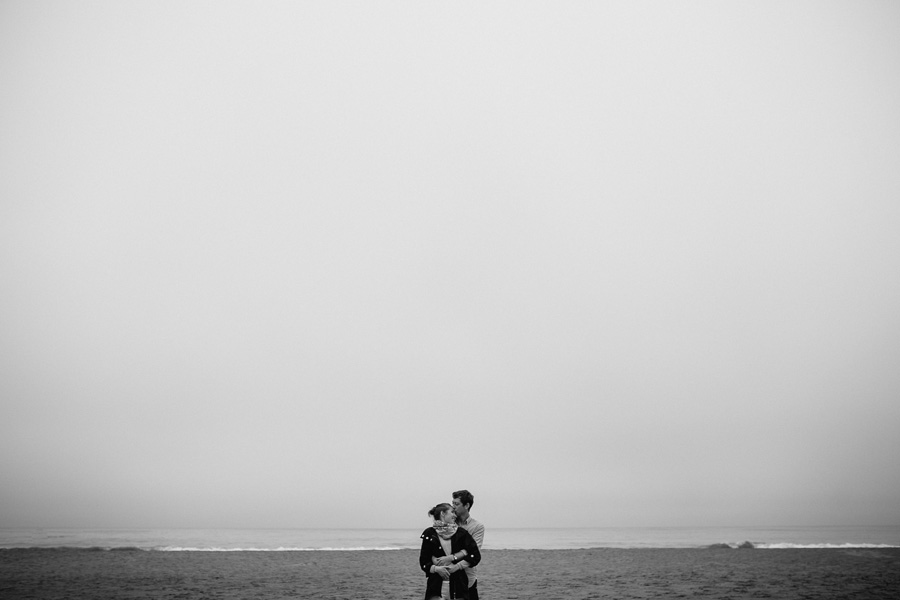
{"points": [[195, 549], [327, 549], [788, 545], [838, 546]]}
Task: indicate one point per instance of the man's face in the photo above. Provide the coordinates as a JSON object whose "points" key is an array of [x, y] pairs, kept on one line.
{"points": [[459, 508]]}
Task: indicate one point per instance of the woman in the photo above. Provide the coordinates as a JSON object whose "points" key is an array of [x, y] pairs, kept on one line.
{"points": [[445, 538]]}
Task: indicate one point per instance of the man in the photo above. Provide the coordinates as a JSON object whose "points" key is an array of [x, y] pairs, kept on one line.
{"points": [[462, 504]]}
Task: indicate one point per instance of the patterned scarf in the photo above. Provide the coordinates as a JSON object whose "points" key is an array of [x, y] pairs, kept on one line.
{"points": [[445, 530]]}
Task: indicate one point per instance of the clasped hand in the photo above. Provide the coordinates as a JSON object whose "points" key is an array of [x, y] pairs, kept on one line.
{"points": [[444, 572], [442, 561]]}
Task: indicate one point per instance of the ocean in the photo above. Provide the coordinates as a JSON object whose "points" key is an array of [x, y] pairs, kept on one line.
{"points": [[283, 540]]}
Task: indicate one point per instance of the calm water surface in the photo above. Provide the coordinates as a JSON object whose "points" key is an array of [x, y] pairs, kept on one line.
{"points": [[394, 539]]}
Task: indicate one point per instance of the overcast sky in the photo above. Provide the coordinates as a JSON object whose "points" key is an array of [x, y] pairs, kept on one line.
{"points": [[321, 264]]}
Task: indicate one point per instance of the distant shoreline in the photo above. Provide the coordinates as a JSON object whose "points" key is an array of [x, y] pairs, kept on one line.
{"points": [[718, 546], [365, 540]]}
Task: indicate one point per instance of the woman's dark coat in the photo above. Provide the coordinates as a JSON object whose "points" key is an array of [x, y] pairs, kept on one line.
{"points": [[431, 546]]}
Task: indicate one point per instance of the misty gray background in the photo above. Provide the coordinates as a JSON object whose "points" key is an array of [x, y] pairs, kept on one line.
{"points": [[321, 264]]}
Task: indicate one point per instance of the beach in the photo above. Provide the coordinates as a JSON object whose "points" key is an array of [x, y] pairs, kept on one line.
{"points": [[718, 573]]}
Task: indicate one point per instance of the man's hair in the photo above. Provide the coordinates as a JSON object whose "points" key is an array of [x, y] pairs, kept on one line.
{"points": [[465, 497]]}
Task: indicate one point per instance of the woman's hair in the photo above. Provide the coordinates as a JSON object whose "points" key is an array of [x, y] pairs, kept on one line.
{"points": [[438, 510]]}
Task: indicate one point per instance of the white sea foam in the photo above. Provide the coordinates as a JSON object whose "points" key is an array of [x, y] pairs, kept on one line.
{"points": [[785, 546], [279, 549]]}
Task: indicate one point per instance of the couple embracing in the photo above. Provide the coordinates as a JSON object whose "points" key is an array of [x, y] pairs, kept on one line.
{"points": [[451, 549]]}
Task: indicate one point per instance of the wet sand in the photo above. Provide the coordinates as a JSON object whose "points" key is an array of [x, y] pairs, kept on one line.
{"points": [[505, 574]]}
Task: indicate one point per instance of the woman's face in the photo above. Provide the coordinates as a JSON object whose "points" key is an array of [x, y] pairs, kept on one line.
{"points": [[448, 516]]}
